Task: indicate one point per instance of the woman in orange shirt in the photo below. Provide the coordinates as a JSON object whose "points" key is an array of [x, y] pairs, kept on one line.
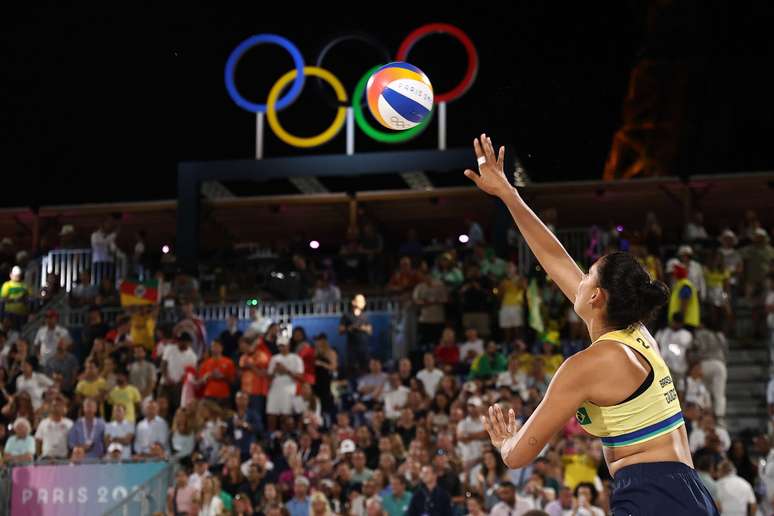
{"points": [[254, 377]]}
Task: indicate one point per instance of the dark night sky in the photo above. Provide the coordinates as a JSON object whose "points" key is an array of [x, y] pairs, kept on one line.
{"points": [[99, 106]]}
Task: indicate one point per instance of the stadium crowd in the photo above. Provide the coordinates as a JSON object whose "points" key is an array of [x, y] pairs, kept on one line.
{"points": [[265, 419]]}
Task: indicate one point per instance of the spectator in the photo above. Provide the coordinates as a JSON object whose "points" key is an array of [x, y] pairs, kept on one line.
{"points": [[92, 385], [124, 394], [695, 269], [447, 354], [88, 432], [649, 261], [243, 425], [735, 494], [32, 382], [511, 292], [107, 294], [230, 337], [326, 293], [20, 447], [193, 325], [475, 301], [151, 430], [253, 364], [372, 247], [732, 258], [397, 501], [471, 348], [740, 458], [475, 232], [85, 292], [142, 373], [711, 351], [51, 434], [104, 250], [491, 266], [514, 378], [674, 342], [447, 271], [183, 436], [430, 375], [704, 462], [180, 497], [510, 503], [694, 230], [429, 499], [325, 371], [48, 336], [769, 307], [684, 298], [471, 434], [358, 331], [299, 504], [174, 361], [217, 373], [120, 431], [758, 257], [586, 496], [717, 278], [404, 280], [489, 364], [300, 345], [370, 387], [15, 294], [709, 435], [200, 471], [285, 369], [210, 500], [695, 390], [430, 296], [95, 329], [65, 365]]}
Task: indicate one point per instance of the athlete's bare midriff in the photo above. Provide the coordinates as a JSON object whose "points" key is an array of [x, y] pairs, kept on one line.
{"points": [[671, 447]]}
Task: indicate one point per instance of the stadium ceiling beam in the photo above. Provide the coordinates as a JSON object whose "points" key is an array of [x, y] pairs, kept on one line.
{"points": [[190, 176]]}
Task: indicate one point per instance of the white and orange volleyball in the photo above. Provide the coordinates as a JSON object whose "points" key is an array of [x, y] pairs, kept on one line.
{"points": [[399, 95]]}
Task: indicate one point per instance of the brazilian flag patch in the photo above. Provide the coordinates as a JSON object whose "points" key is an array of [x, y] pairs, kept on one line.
{"points": [[582, 416]]}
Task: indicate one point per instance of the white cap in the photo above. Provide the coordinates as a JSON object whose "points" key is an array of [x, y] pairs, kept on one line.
{"points": [[475, 400], [684, 249], [16, 271], [115, 447], [347, 446]]}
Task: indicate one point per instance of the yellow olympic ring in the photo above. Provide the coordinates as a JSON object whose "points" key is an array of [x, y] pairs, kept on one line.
{"points": [[312, 141]]}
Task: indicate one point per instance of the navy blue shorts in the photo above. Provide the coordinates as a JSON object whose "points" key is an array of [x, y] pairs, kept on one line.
{"points": [[660, 489]]}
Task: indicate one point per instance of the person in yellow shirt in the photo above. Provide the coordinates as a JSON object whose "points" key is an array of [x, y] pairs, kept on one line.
{"points": [[511, 292], [92, 385], [579, 464], [126, 395], [551, 356], [143, 327], [15, 293]]}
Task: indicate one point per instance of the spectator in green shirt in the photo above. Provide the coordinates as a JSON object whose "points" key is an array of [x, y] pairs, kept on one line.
{"points": [[397, 502], [488, 364], [15, 292]]}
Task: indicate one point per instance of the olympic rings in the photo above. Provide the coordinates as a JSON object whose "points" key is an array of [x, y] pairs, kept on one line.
{"points": [[312, 141], [240, 51], [275, 103], [375, 134], [444, 28], [353, 36]]}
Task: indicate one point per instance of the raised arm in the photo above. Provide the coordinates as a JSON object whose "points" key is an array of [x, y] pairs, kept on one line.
{"points": [[549, 251]]}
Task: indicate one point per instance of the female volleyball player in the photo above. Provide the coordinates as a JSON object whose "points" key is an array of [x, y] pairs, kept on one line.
{"points": [[619, 388]]}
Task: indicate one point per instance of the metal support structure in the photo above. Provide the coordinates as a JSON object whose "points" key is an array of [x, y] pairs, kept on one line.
{"points": [[259, 130], [350, 131], [442, 126]]}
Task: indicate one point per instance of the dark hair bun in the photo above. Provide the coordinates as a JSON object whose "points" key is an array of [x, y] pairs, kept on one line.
{"points": [[632, 295]]}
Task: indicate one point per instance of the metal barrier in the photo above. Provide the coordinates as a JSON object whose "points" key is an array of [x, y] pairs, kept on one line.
{"points": [[68, 264], [577, 242], [147, 498], [281, 312]]}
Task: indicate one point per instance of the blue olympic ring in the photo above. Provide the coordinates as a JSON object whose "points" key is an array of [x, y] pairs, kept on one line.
{"points": [[241, 49]]}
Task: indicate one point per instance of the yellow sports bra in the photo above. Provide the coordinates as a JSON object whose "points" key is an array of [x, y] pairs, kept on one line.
{"points": [[653, 412]]}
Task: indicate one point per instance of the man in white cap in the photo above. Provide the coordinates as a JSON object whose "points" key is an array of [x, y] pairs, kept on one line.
{"points": [[757, 257], [695, 269], [15, 293], [732, 258]]}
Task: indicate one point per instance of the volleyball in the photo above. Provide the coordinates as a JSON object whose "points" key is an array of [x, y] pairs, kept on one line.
{"points": [[399, 95]]}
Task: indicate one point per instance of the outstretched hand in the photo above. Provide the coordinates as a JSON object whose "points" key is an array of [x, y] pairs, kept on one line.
{"points": [[500, 430], [491, 176]]}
